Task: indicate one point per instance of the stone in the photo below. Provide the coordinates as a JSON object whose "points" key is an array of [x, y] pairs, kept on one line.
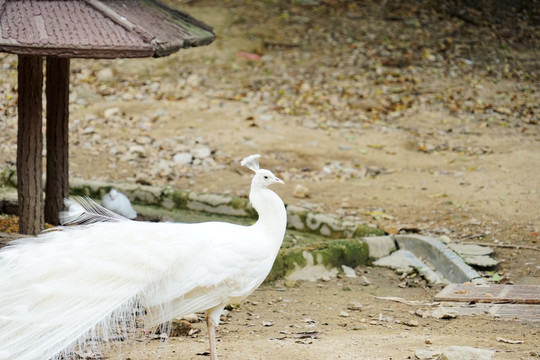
{"points": [[424, 354], [137, 150], [88, 130], [192, 318], [411, 323], [356, 306], [380, 246], [300, 192], [349, 272], [443, 313], [105, 75], [111, 112], [365, 281], [183, 158], [162, 169], [143, 140], [193, 80], [201, 152], [465, 353], [344, 314]]}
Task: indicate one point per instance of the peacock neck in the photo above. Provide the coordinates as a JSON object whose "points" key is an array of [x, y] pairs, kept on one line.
{"points": [[272, 214]]}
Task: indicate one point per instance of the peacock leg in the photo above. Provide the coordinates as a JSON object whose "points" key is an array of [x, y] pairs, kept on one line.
{"points": [[211, 323]]}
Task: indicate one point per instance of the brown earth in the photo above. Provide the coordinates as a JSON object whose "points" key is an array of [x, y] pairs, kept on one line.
{"points": [[405, 116]]}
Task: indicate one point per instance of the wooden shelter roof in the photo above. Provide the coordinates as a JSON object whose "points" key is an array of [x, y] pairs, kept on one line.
{"points": [[97, 28]]}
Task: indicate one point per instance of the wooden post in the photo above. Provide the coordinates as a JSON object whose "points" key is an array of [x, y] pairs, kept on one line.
{"points": [[30, 144], [57, 91]]}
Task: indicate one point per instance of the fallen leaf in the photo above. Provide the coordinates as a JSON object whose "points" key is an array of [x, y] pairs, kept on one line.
{"points": [[249, 56]]}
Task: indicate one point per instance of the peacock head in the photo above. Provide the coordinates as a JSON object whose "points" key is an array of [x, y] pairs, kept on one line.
{"points": [[263, 178]]}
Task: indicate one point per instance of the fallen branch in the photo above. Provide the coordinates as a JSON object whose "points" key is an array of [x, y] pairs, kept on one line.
{"points": [[404, 301]]}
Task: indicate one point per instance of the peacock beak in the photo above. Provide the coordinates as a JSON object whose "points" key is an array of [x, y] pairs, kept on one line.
{"points": [[279, 181]]}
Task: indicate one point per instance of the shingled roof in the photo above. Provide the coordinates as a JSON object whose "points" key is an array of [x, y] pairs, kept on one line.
{"points": [[97, 28]]}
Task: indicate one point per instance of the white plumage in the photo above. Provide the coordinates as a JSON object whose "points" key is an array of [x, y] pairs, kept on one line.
{"points": [[119, 203], [72, 284]]}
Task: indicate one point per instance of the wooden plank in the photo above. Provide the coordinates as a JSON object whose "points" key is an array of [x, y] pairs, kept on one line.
{"points": [[516, 294], [520, 312]]}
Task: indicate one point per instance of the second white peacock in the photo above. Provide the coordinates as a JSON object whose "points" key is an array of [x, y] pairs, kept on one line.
{"points": [[73, 284]]}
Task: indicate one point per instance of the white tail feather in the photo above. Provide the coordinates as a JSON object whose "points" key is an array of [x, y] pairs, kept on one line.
{"points": [[83, 211], [251, 162]]}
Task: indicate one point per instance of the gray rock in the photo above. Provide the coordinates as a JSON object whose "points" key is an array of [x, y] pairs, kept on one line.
{"points": [[137, 150], [365, 281], [143, 140], [88, 130], [111, 112], [300, 192], [183, 158], [354, 306], [349, 272], [465, 353], [201, 152], [193, 80], [192, 318], [424, 354], [443, 313], [105, 75]]}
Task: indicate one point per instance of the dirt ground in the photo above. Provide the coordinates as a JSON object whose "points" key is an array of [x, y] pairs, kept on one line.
{"points": [[387, 114], [307, 322]]}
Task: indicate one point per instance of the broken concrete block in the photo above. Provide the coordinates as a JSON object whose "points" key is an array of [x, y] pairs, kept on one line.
{"points": [[380, 246], [482, 261], [449, 264], [313, 270], [471, 249], [404, 261]]}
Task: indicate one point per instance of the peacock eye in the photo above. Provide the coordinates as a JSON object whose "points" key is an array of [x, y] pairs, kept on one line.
{"points": [[266, 176]]}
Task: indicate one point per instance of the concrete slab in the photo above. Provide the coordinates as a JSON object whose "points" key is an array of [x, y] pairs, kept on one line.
{"points": [[448, 263], [404, 261], [380, 246]]}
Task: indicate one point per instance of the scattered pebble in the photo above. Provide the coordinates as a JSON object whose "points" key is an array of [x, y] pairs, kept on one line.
{"points": [[349, 272], [354, 306]]}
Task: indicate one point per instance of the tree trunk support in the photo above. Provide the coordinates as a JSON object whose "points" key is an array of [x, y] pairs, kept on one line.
{"points": [[57, 91], [30, 144]]}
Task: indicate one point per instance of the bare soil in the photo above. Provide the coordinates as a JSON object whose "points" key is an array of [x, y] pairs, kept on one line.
{"points": [[397, 116], [380, 330]]}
